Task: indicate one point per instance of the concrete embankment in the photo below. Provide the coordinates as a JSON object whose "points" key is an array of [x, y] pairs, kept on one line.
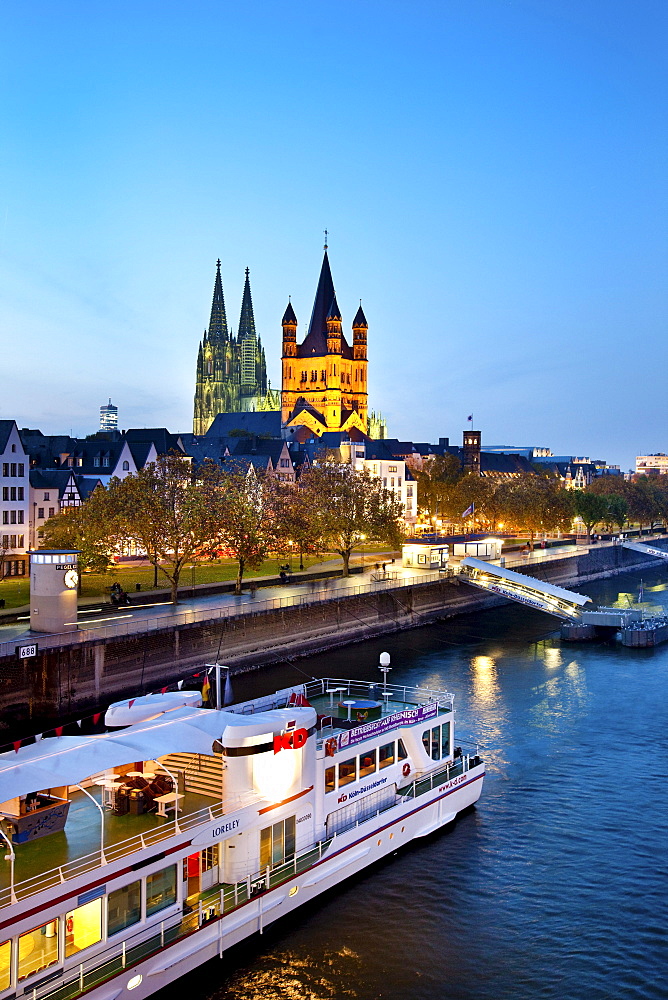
{"points": [[71, 680]]}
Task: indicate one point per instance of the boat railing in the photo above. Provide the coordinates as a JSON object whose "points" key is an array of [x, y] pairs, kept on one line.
{"points": [[400, 693], [427, 782], [112, 852], [134, 948]]}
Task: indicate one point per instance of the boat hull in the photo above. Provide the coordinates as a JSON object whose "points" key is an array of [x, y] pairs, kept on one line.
{"points": [[349, 853]]}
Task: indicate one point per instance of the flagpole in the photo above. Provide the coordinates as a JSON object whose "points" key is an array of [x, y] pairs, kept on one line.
{"points": [[218, 699]]}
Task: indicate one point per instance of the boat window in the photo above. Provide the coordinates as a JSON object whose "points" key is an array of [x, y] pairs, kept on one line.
{"points": [[277, 843], [5, 964], [347, 771], [123, 907], [330, 780], [436, 743], [83, 927], [209, 858], [426, 740], [368, 763], [38, 949], [386, 755], [445, 739], [160, 890], [402, 752]]}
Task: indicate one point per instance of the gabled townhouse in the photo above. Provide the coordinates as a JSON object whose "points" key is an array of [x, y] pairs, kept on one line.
{"points": [[14, 505], [51, 490]]}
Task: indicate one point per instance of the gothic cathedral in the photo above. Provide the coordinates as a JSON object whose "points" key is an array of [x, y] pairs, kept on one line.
{"points": [[324, 384], [231, 371]]}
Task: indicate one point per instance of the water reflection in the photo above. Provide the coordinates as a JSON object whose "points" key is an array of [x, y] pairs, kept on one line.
{"points": [[562, 695], [485, 682]]}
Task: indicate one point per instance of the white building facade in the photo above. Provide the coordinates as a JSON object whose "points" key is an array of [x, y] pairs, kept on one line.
{"points": [[14, 502]]}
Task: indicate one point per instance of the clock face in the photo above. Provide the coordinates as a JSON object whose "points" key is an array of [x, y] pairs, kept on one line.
{"points": [[71, 578]]}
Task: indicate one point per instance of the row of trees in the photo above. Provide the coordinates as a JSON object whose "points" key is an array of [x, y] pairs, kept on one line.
{"points": [[177, 516], [536, 503]]}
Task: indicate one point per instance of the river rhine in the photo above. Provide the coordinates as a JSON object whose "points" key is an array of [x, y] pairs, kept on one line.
{"points": [[555, 886]]}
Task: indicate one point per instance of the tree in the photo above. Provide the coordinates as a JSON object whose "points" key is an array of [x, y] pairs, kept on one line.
{"points": [[350, 505], [618, 510], [245, 511], [536, 504], [87, 528], [435, 482], [296, 521], [168, 512], [591, 508]]}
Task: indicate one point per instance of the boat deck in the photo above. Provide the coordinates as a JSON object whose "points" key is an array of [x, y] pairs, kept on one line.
{"points": [[81, 838]]}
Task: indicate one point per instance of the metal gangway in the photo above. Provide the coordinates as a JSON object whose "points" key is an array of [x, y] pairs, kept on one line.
{"points": [[646, 550], [564, 604]]}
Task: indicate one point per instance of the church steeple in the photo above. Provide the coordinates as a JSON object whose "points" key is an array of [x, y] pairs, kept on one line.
{"points": [[218, 321], [247, 319], [315, 341]]}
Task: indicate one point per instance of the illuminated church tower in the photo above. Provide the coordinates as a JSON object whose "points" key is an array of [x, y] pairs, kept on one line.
{"points": [[231, 371], [324, 383]]}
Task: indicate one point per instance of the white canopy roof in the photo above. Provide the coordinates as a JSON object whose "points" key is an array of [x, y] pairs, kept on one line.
{"points": [[529, 582], [67, 760]]}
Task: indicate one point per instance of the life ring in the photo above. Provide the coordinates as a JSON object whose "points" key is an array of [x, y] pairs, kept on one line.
{"points": [[406, 769]]}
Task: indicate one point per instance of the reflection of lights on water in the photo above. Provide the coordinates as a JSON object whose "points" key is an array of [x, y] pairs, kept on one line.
{"points": [[485, 686], [552, 656]]}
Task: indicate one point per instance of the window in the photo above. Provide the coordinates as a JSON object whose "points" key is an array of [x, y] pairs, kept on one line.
{"points": [[392, 468], [126, 466], [40, 512], [13, 447], [277, 843], [436, 741], [323, 376], [402, 753], [105, 461], [5, 964], [347, 771], [367, 763], [83, 927], [52, 511], [39, 948], [12, 541], [386, 755], [5, 468], [19, 493], [21, 469], [47, 496], [422, 559], [445, 739], [330, 779], [160, 890], [5, 541], [12, 467], [96, 462], [12, 516], [409, 491], [5, 492], [20, 517], [20, 545], [399, 481], [5, 517]]}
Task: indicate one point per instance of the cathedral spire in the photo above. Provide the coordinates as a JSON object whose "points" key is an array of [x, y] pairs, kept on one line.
{"points": [[247, 319], [218, 321]]}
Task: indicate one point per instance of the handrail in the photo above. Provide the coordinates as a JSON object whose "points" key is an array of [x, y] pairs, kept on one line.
{"points": [[138, 626], [112, 852]]}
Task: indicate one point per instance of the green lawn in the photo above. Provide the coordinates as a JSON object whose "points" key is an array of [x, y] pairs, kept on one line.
{"points": [[16, 590]]}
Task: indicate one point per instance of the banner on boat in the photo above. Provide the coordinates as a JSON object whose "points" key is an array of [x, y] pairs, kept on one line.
{"points": [[407, 717]]}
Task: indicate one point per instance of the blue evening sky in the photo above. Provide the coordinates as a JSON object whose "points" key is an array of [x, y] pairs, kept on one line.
{"points": [[492, 174]]}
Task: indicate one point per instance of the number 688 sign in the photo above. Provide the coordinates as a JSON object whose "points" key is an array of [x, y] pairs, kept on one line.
{"points": [[26, 651]]}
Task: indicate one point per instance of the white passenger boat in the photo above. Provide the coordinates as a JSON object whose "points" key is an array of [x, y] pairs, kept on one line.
{"points": [[134, 856]]}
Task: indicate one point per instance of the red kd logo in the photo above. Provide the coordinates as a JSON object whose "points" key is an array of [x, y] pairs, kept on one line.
{"points": [[293, 740]]}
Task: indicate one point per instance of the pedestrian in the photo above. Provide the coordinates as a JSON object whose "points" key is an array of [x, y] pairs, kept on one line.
{"points": [[253, 588], [384, 564]]}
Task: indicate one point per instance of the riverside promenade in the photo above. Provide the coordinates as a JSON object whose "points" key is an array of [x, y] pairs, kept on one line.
{"points": [[126, 652]]}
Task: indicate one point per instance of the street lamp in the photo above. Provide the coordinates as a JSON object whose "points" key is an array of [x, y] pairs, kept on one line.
{"points": [[192, 575]]}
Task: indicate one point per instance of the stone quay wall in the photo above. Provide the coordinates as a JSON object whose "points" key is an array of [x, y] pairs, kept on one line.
{"points": [[66, 682]]}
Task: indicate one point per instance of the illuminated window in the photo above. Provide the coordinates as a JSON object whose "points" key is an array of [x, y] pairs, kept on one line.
{"points": [[347, 771], [392, 468], [124, 907], [277, 843], [330, 781], [386, 755], [83, 927], [160, 890], [5, 964], [367, 763], [38, 949]]}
